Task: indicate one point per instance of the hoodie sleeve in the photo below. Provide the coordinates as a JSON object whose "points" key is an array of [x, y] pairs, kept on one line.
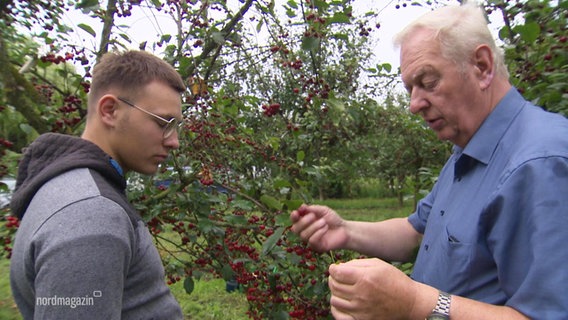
{"points": [[80, 273]]}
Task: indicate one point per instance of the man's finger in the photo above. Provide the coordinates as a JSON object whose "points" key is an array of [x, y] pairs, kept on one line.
{"points": [[340, 315]]}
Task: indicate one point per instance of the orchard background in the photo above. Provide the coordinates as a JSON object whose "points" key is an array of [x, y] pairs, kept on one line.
{"points": [[306, 112]]}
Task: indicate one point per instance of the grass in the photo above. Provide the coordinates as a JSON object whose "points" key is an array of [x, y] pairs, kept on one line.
{"points": [[368, 209], [209, 300], [8, 309]]}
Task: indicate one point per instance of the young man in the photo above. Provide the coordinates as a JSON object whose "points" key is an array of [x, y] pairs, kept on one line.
{"points": [[491, 231], [82, 251]]}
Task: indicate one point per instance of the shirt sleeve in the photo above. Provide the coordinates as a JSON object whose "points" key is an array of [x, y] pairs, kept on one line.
{"points": [[528, 223], [419, 218], [81, 261]]}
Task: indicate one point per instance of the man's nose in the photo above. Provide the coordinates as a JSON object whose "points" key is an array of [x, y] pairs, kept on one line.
{"points": [[172, 141], [418, 100]]}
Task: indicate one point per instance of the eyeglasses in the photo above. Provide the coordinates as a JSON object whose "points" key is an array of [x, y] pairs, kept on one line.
{"points": [[169, 127]]}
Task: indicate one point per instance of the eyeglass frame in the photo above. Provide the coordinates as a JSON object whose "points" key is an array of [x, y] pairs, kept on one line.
{"points": [[171, 126]]}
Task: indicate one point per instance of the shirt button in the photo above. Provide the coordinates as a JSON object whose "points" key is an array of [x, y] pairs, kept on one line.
{"points": [[426, 247], [442, 212]]}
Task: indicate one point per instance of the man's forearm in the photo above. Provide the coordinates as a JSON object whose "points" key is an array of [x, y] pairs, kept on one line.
{"points": [[461, 308], [391, 240]]}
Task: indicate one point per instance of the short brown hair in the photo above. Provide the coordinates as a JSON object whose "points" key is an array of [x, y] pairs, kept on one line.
{"points": [[131, 71]]}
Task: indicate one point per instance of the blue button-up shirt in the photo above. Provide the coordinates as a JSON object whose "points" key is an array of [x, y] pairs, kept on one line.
{"points": [[496, 222]]}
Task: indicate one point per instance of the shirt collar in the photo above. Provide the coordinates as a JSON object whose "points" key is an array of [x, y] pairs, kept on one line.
{"points": [[485, 140], [116, 166]]}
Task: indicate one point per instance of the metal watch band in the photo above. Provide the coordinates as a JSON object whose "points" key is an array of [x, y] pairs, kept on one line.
{"points": [[443, 304]]}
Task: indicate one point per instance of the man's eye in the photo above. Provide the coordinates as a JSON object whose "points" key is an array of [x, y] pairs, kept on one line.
{"points": [[430, 84], [161, 123]]}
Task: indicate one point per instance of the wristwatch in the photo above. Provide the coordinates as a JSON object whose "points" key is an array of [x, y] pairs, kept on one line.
{"points": [[442, 309]]}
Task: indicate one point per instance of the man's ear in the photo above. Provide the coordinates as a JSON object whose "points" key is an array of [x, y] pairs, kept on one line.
{"points": [[107, 109], [483, 64]]}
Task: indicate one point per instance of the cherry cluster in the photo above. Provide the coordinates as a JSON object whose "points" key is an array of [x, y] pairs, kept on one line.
{"points": [[316, 25], [45, 90], [69, 113], [205, 176], [6, 143], [294, 289], [290, 278], [11, 225], [365, 31], [57, 59], [271, 109]]}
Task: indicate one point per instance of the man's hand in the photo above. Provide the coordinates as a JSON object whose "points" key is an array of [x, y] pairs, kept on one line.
{"points": [[320, 226], [371, 289]]}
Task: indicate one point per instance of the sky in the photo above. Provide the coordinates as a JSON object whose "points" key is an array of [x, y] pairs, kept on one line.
{"points": [[147, 25]]}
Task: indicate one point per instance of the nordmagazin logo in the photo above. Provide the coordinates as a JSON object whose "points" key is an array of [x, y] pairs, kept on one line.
{"points": [[71, 302]]}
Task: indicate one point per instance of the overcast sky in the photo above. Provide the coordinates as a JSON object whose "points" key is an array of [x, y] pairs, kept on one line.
{"points": [[147, 25]]}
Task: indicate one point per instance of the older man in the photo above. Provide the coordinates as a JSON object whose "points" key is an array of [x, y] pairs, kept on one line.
{"points": [[491, 231]]}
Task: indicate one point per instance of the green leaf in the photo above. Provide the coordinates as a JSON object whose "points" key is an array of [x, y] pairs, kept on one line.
{"points": [[283, 220], [26, 128], [281, 183], [341, 36], [218, 37], [280, 315], [207, 226], [292, 4], [259, 25], [236, 220], [271, 202], [270, 243], [188, 285], [231, 109], [242, 204], [336, 104], [300, 156], [165, 38], [339, 17], [87, 4], [529, 32], [227, 272], [310, 43], [293, 204], [124, 36], [290, 13], [275, 142], [503, 33]]}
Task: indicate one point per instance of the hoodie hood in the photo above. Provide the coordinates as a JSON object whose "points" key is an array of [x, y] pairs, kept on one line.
{"points": [[53, 154]]}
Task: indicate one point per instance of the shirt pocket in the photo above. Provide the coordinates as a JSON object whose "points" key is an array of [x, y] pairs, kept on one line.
{"points": [[455, 257]]}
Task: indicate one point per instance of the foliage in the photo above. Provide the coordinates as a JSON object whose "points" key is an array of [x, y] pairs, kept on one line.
{"points": [[268, 124], [535, 36]]}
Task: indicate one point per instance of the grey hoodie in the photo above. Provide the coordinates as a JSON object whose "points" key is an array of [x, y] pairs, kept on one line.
{"points": [[82, 251]]}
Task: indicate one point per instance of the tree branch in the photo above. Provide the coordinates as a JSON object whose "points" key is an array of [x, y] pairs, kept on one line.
{"points": [[20, 93], [210, 45], [108, 23]]}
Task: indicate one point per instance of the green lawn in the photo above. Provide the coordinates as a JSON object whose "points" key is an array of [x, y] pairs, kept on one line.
{"points": [[8, 310], [209, 300]]}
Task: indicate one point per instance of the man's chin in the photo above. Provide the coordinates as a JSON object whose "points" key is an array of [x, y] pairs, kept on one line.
{"points": [[149, 171]]}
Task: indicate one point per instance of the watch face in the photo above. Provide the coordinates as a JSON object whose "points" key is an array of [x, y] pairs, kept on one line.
{"points": [[437, 316]]}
